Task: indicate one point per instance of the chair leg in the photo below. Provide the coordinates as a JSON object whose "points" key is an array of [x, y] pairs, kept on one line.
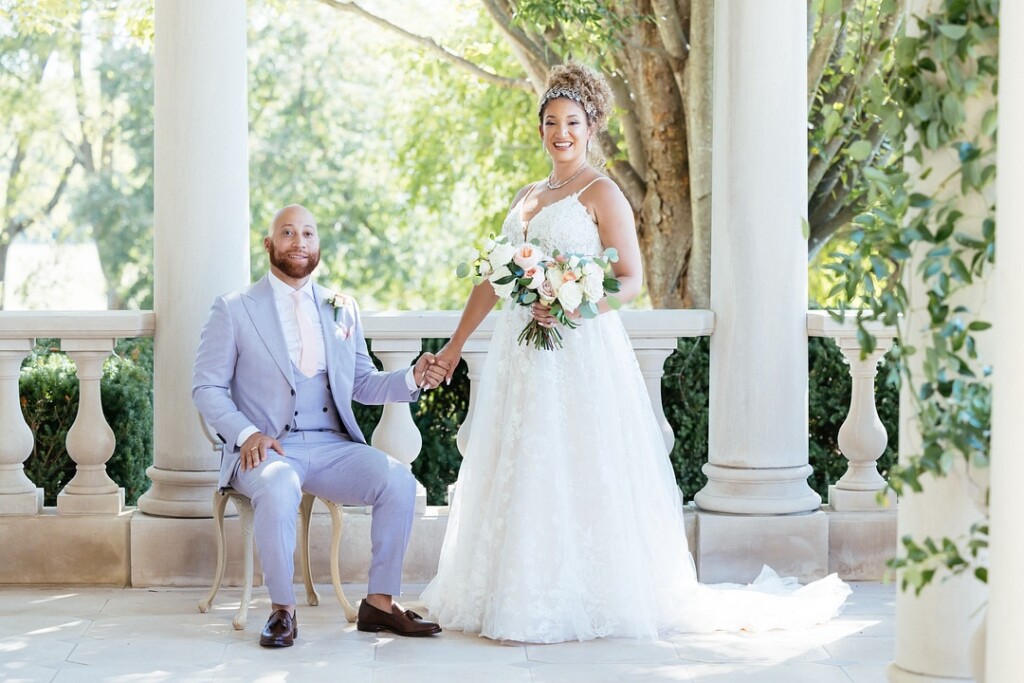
{"points": [[305, 517], [245, 518], [219, 502], [337, 522]]}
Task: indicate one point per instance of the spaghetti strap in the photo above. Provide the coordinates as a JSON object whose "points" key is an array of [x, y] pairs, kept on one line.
{"points": [[587, 186]]}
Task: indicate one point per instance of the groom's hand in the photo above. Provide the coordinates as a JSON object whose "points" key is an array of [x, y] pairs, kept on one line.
{"points": [[430, 371], [255, 448]]}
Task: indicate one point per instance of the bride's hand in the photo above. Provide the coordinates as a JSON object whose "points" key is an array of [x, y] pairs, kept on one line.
{"points": [[449, 357], [542, 314]]}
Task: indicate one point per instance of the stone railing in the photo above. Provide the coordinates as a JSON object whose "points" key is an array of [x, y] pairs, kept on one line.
{"points": [[87, 338], [862, 437], [396, 338]]}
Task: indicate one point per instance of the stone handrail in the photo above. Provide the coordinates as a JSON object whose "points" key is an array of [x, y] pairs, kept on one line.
{"points": [[862, 437], [396, 338]]}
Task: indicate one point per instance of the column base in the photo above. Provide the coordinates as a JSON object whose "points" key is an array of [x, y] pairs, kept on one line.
{"points": [[90, 504], [179, 493], [733, 548], [861, 544], [757, 491], [897, 675], [26, 503], [845, 500]]}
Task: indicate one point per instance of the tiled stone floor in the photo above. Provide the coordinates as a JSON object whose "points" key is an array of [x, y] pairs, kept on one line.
{"points": [[128, 635]]}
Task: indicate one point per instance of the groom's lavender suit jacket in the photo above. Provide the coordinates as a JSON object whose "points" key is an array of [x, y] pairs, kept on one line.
{"points": [[243, 375]]}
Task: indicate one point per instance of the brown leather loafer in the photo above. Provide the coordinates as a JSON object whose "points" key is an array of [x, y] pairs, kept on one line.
{"points": [[281, 630], [406, 623]]}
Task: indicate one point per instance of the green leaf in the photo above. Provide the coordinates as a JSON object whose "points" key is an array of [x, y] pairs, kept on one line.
{"points": [[979, 325], [805, 228], [953, 31], [462, 270], [860, 150], [613, 303]]}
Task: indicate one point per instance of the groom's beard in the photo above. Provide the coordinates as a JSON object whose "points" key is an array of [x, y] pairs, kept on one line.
{"points": [[291, 268]]}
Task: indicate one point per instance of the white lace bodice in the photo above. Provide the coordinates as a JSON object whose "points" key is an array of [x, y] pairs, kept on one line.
{"points": [[564, 225]]}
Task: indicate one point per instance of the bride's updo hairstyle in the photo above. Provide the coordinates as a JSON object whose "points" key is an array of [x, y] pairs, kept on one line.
{"points": [[585, 87]]}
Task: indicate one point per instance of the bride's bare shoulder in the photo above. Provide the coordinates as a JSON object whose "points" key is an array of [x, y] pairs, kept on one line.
{"points": [[525, 190]]}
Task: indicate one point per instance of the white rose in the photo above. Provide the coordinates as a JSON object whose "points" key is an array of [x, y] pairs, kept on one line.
{"points": [[501, 254], [570, 296], [489, 244], [506, 289], [527, 256], [593, 285]]}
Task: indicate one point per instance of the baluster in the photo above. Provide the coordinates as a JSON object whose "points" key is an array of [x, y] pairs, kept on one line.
{"points": [[651, 354], [90, 440], [18, 495], [862, 438], [396, 433], [474, 352]]}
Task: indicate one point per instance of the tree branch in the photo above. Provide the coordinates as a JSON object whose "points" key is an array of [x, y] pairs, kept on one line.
{"points": [[670, 28], [431, 45], [536, 59], [824, 45]]}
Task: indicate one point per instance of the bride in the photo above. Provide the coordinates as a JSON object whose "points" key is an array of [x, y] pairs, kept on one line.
{"points": [[567, 522]]}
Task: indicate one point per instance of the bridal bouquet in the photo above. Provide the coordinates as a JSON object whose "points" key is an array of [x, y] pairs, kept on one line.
{"points": [[566, 283]]}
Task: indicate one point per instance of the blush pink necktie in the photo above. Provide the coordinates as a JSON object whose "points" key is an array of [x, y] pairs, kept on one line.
{"points": [[307, 347]]}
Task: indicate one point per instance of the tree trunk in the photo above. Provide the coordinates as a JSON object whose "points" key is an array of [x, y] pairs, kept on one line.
{"points": [[665, 219]]}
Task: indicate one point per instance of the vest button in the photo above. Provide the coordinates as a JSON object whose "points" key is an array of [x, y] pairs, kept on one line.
{"points": [[293, 392], [287, 428], [296, 412], [325, 410]]}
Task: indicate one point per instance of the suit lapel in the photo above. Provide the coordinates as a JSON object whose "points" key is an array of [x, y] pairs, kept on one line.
{"points": [[259, 302]]}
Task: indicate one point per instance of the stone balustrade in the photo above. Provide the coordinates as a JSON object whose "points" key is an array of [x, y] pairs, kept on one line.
{"points": [[396, 339]]}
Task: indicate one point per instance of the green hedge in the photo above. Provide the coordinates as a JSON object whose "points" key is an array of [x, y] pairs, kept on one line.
{"points": [[49, 394], [49, 400]]}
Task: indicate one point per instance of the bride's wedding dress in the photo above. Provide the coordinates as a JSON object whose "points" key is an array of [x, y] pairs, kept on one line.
{"points": [[566, 522]]}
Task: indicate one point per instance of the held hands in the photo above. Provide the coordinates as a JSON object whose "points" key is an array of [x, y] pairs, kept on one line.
{"points": [[449, 355], [430, 371], [255, 449]]}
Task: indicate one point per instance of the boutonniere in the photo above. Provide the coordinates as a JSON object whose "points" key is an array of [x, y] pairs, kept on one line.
{"points": [[337, 302]]}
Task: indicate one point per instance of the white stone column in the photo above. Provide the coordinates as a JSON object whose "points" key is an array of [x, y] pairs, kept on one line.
{"points": [[18, 495], [1006, 558], [757, 449], [90, 440], [933, 629], [201, 222], [757, 465]]}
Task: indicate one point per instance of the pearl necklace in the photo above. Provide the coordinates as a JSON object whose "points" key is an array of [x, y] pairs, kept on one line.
{"points": [[563, 183]]}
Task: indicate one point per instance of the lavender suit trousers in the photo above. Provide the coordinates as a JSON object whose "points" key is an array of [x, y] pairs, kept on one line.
{"points": [[329, 465]]}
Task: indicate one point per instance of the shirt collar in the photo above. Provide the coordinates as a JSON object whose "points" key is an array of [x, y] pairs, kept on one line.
{"points": [[283, 289]]}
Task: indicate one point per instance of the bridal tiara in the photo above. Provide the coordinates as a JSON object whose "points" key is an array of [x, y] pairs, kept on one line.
{"points": [[570, 93]]}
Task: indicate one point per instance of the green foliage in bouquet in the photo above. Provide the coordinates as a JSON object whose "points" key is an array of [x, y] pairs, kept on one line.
{"points": [[48, 388]]}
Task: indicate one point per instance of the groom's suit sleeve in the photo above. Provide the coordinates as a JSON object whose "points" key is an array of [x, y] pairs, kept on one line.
{"points": [[371, 386]]}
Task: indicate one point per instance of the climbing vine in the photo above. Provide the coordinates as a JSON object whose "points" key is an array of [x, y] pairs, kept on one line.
{"points": [[942, 98]]}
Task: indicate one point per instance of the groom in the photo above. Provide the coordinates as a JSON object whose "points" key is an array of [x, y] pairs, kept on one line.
{"points": [[278, 366]]}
